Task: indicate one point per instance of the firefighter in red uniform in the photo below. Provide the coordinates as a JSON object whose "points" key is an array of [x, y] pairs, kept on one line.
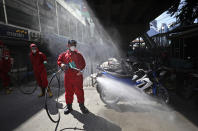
{"points": [[5, 67], [73, 80], [39, 60]]}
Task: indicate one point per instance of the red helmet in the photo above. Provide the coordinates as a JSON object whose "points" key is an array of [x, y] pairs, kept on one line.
{"points": [[33, 45]]}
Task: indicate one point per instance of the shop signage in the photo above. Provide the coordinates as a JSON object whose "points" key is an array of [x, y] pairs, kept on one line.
{"points": [[13, 32]]}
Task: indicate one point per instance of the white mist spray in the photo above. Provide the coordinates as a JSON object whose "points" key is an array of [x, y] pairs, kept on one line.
{"points": [[127, 92]]}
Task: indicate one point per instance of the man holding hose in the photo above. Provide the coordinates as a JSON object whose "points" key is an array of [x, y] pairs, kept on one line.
{"points": [[69, 61]]}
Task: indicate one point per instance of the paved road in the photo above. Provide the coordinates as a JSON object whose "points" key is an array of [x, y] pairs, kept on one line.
{"points": [[21, 112]]}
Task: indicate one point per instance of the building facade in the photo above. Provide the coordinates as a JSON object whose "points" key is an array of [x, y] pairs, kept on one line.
{"points": [[47, 23]]}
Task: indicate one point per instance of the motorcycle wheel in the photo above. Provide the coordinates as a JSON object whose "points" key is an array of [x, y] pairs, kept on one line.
{"points": [[163, 95], [98, 88], [108, 98]]}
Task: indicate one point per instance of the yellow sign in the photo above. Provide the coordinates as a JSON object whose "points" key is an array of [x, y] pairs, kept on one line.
{"points": [[21, 31]]}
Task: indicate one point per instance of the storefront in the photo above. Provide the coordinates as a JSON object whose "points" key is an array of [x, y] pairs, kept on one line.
{"points": [[17, 40]]}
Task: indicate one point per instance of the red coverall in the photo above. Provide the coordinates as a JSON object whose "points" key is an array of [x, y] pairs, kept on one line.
{"points": [[5, 67], [40, 72], [72, 82]]}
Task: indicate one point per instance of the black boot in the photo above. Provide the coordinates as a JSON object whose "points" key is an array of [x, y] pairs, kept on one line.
{"points": [[83, 109], [68, 109]]}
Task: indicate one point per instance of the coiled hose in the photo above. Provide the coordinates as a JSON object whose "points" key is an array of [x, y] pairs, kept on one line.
{"points": [[46, 98]]}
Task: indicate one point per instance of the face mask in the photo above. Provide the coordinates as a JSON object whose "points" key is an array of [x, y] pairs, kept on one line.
{"points": [[34, 51], [72, 48]]}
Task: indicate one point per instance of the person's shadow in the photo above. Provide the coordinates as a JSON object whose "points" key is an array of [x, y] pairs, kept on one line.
{"points": [[94, 123]]}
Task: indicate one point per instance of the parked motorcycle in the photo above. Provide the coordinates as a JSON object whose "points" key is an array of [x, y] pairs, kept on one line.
{"points": [[144, 81]]}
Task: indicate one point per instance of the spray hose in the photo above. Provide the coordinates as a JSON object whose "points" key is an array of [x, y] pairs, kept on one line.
{"points": [[46, 106], [23, 89], [54, 75], [27, 92]]}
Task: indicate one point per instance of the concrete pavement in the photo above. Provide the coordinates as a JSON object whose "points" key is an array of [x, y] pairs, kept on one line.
{"points": [[21, 112]]}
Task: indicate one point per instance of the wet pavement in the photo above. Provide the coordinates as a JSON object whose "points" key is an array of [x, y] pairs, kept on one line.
{"points": [[21, 112]]}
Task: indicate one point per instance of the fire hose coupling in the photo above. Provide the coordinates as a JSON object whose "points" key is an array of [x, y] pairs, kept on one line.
{"points": [[78, 69]]}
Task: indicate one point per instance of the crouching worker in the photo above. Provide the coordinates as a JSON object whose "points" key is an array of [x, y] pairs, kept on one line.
{"points": [[5, 67], [73, 79], [38, 60]]}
